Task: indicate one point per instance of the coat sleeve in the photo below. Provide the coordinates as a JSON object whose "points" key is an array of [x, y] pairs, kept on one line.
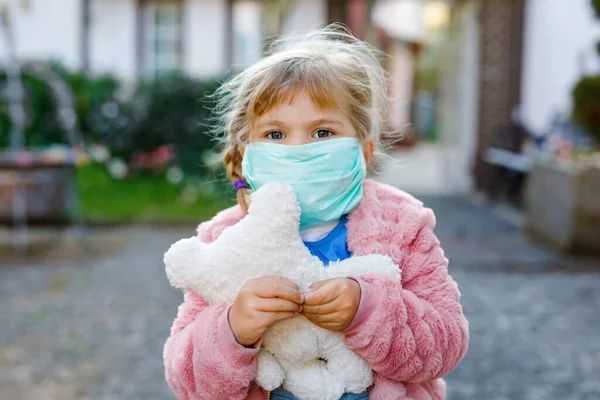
{"points": [[202, 358], [414, 330]]}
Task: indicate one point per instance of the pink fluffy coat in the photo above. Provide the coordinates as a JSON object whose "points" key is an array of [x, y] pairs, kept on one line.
{"points": [[411, 333]]}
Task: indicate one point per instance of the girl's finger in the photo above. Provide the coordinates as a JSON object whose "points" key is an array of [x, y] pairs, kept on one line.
{"points": [[281, 315], [325, 294], [334, 317], [319, 284], [332, 326], [281, 290], [322, 309], [329, 325], [276, 305], [291, 284], [285, 281]]}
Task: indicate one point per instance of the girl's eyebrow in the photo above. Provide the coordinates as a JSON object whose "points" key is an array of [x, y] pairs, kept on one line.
{"points": [[326, 121], [270, 123], [280, 124]]}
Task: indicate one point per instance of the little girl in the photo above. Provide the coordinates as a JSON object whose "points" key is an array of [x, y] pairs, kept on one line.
{"points": [[311, 115]]}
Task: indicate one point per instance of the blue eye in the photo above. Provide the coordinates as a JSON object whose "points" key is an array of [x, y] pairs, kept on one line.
{"points": [[322, 134], [276, 135]]}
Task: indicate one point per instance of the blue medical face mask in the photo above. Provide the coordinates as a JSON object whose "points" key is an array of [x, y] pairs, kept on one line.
{"points": [[327, 175]]}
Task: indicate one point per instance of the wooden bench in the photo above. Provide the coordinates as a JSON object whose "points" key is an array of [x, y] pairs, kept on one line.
{"points": [[512, 158], [507, 159]]}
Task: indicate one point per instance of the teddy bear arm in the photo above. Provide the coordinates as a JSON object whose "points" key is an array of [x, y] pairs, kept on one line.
{"points": [[182, 262], [373, 264]]}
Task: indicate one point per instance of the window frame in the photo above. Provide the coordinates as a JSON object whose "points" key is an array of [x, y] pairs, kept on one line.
{"points": [[148, 25]]}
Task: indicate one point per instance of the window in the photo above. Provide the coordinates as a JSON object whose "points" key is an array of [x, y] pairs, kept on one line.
{"points": [[162, 37], [247, 32]]}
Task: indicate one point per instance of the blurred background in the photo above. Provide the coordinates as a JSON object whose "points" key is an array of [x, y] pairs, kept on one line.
{"points": [[106, 158]]}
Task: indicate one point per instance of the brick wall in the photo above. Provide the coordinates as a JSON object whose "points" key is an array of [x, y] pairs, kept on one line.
{"points": [[501, 42], [336, 10]]}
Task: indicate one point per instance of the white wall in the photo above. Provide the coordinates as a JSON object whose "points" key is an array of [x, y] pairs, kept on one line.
{"points": [[401, 19], [49, 29], [113, 37], [204, 37], [401, 70], [560, 38], [304, 16], [247, 32], [459, 102]]}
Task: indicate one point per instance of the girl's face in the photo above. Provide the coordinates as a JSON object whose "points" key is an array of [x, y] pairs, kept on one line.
{"points": [[301, 121]]}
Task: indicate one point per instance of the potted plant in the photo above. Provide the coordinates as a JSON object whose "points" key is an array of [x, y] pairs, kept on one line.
{"points": [[563, 192]]}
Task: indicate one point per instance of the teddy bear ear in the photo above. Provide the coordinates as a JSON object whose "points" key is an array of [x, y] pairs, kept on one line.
{"points": [[275, 199]]}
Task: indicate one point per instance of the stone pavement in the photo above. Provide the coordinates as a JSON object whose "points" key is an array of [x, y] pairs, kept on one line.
{"points": [[533, 314], [95, 329]]}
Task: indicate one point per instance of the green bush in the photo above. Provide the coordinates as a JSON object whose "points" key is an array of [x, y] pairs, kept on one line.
{"points": [[586, 97], [586, 109], [42, 126], [173, 111], [170, 111], [90, 95]]}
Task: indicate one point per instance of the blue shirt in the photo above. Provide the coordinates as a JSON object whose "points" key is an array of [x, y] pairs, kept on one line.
{"points": [[333, 247]]}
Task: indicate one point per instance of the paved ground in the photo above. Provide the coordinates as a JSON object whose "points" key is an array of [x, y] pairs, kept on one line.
{"points": [[95, 329]]}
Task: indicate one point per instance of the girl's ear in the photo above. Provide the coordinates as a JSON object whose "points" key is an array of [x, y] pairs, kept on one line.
{"points": [[369, 150], [242, 151]]}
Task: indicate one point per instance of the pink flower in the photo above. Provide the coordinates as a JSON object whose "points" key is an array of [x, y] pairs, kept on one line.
{"points": [[162, 155]]}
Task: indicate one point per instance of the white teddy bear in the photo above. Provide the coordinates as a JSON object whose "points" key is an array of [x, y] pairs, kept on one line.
{"points": [[310, 362]]}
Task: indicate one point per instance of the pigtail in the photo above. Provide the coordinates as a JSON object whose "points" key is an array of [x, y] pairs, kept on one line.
{"points": [[233, 165]]}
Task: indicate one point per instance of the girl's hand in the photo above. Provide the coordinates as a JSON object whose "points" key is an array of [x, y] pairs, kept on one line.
{"points": [[332, 304], [260, 303]]}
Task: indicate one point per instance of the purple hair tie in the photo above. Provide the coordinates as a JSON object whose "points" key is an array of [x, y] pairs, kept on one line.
{"points": [[240, 184]]}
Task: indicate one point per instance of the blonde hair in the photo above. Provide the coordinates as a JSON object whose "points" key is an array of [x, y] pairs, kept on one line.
{"points": [[331, 65]]}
